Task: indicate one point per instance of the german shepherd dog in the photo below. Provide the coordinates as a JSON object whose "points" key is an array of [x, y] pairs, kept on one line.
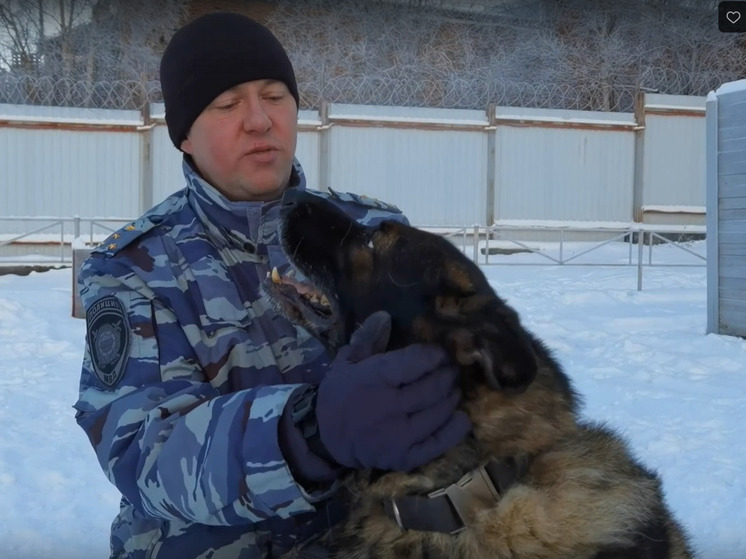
{"points": [[533, 481]]}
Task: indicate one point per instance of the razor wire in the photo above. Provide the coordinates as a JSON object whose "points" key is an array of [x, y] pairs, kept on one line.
{"points": [[65, 92], [468, 94], [431, 54], [459, 93]]}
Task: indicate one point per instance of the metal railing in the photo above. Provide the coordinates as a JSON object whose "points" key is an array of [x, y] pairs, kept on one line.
{"points": [[67, 231], [475, 239], [639, 234]]}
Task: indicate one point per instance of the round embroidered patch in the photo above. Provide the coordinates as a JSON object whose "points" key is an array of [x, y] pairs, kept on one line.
{"points": [[108, 339]]}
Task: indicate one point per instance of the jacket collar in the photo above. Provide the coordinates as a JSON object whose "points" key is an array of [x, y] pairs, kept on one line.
{"points": [[250, 226]]}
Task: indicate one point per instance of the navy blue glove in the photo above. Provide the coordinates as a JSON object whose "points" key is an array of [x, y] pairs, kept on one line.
{"points": [[391, 411]]}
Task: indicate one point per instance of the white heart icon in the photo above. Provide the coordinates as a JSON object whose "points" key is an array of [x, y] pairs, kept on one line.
{"points": [[733, 17]]}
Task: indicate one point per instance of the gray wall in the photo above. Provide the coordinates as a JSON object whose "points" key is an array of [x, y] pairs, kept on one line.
{"points": [[726, 206]]}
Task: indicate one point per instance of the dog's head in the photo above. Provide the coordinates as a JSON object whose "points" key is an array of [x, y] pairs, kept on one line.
{"points": [[432, 291]]}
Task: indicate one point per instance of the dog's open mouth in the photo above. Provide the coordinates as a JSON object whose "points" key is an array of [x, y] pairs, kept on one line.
{"points": [[305, 304], [302, 293]]}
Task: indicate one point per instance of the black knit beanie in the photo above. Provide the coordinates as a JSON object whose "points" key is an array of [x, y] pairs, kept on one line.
{"points": [[211, 54]]}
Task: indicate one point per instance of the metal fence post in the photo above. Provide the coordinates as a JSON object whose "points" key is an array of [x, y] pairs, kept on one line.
{"points": [[650, 247], [638, 169], [146, 160], [476, 243], [487, 235], [630, 243], [640, 245], [491, 130], [324, 148]]}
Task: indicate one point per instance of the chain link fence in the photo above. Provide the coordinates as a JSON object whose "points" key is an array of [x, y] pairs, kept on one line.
{"points": [[477, 93]]}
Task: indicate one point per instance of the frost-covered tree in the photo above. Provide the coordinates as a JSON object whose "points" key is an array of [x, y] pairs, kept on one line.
{"points": [[589, 54], [582, 54], [87, 52], [24, 25]]}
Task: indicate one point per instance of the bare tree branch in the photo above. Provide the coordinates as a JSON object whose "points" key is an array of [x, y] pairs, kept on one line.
{"points": [[583, 54]]}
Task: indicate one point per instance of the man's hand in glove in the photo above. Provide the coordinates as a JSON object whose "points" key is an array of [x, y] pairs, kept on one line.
{"points": [[392, 410]]}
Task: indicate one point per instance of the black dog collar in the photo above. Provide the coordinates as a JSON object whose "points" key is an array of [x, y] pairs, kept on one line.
{"points": [[449, 510]]}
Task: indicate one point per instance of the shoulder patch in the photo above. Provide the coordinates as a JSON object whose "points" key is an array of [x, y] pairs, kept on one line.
{"points": [[134, 230], [124, 236], [108, 339], [364, 201]]}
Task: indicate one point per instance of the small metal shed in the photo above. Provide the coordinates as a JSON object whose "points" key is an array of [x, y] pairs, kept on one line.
{"points": [[726, 209]]}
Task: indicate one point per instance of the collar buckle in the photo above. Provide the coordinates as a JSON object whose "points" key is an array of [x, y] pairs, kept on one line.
{"points": [[467, 494], [451, 509]]}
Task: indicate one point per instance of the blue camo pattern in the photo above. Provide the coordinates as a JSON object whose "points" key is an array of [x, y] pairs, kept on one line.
{"points": [[189, 433]]}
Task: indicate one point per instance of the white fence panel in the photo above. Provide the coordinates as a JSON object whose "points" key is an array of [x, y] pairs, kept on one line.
{"points": [[564, 165], [674, 162], [166, 160], [431, 163], [67, 162], [443, 167], [308, 149]]}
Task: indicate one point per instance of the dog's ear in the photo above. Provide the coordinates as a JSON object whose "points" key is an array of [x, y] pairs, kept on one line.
{"points": [[505, 358], [515, 365]]}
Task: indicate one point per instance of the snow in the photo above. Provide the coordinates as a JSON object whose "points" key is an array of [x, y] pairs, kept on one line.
{"points": [[409, 120], [41, 114], [565, 224], [675, 108], [730, 87], [70, 120], [641, 359], [31, 259], [588, 225], [668, 102], [564, 116], [340, 112], [558, 119], [79, 243], [675, 209]]}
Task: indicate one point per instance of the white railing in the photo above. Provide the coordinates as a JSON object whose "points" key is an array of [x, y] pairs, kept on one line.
{"points": [[476, 239], [66, 231], [639, 234]]}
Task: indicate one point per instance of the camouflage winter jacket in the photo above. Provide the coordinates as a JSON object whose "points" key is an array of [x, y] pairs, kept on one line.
{"points": [[186, 373]]}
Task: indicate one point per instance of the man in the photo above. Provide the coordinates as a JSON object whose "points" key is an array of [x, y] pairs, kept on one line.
{"points": [[225, 427]]}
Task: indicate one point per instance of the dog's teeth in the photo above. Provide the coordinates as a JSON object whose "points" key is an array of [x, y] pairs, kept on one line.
{"points": [[276, 276], [324, 300], [290, 274]]}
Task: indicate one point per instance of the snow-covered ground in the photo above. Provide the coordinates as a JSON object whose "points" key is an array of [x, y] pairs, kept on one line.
{"points": [[641, 359]]}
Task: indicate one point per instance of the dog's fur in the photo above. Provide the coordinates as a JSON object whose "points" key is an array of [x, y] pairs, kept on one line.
{"points": [[582, 496]]}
